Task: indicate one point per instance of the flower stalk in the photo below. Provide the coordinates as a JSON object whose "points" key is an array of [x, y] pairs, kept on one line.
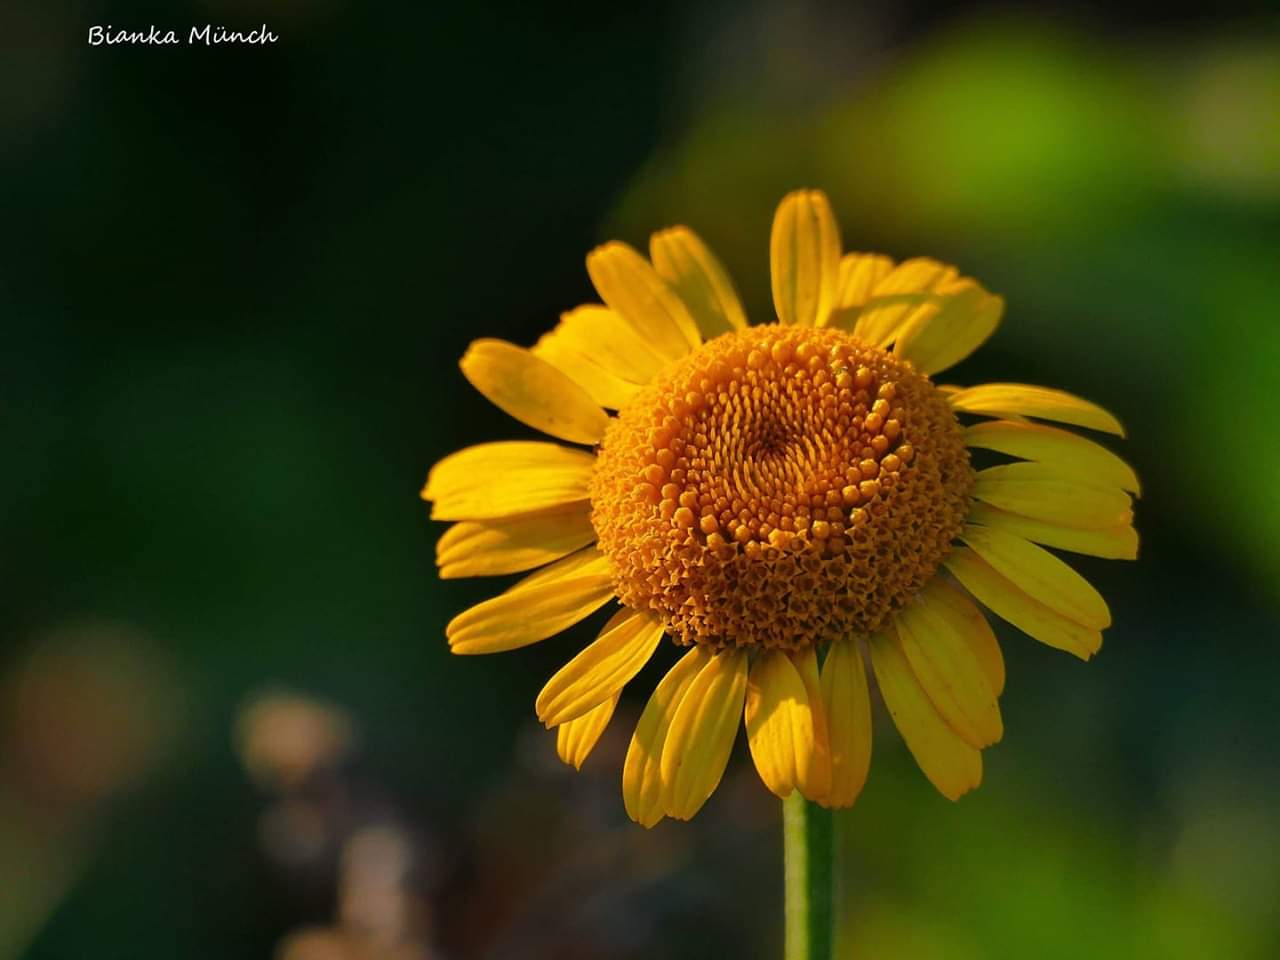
{"points": [[808, 847]]}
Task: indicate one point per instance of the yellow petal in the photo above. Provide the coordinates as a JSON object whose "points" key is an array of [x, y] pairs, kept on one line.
{"points": [[951, 765], [506, 478], [602, 669], [1003, 598], [629, 284], [900, 298], [970, 622], [702, 734], [859, 275], [1040, 575], [966, 317], [1043, 403], [815, 781], [642, 770], [1039, 491], [579, 563], [949, 673], [845, 694], [528, 613], [533, 391], [779, 722], [1113, 543], [1069, 454], [489, 547], [804, 253], [595, 335], [610, 391], [576, 738], [692, 270]]}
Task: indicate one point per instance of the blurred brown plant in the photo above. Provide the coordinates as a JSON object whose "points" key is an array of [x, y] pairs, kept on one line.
{"points": [[86, 712]]}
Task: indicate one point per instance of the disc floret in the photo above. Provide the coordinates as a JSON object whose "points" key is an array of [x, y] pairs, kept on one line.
{"points": [[780, 487]]}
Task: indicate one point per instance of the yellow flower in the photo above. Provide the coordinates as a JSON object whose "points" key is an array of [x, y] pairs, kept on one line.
{"points": [[769, 493]]}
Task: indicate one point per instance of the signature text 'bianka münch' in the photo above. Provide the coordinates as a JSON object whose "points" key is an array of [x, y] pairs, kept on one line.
{"points": [[208, 34]]}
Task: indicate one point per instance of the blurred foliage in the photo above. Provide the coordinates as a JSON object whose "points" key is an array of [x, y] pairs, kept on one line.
{"points": [[236, 283]]}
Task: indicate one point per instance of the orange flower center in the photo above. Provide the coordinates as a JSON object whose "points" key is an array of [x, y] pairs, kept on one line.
{"points": [[780, 487]]}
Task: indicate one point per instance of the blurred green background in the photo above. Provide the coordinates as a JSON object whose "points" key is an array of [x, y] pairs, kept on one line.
{"points": [[235, 283]]}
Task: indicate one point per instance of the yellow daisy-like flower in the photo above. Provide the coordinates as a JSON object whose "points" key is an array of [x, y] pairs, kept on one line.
{"points": [[768, 493]]}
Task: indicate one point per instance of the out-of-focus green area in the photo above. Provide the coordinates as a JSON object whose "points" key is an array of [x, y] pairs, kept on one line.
{"points": [[235, 283]]}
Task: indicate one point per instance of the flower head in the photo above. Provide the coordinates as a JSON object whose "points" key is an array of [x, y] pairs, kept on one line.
{"points": [[762, 492], [771, 498]]}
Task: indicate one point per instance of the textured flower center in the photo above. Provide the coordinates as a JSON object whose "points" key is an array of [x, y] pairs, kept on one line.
{"points": [[781, 486]]}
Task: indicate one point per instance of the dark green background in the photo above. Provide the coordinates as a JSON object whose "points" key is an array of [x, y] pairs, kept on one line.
{"points": [[235, 284]]}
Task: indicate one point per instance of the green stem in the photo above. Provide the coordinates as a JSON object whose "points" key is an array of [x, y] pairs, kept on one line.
{"points": [[808, 848]]}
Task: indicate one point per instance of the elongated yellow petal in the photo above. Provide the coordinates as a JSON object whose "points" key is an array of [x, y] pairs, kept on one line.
{"points": [[1043, 403], [533, 391], [1040, 575], [906, 294], [1003, 598], [529, 613], [860, 273], [506, 478], [702, 734], [848, 703], [804, 253], [489, 547], [779, 722], [594, 334], [966, 317], [597, 673], [815, 781], [577, 564], [642, 770], [951, 765], [1039, 491], [609, 391], [692, 270], [576, 738], [971, 624], [949, 672], [1067, 453], [628, 283], [1113, 543]]}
